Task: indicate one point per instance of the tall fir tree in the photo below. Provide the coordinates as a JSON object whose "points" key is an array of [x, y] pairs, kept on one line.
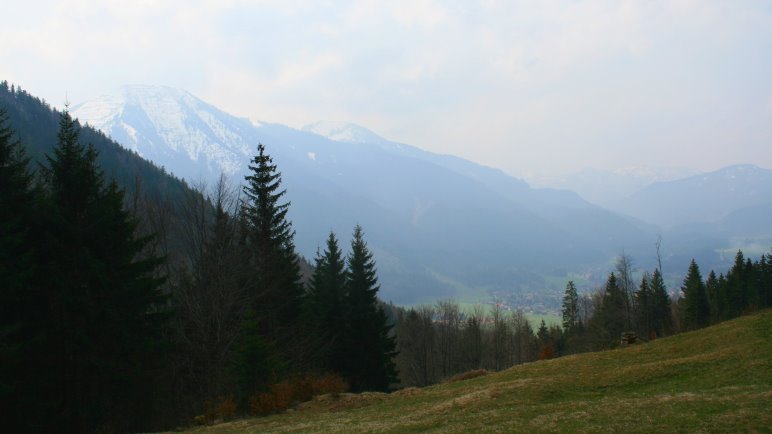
{"points": [[269, 242], [325, 305], [368, 342], [570, 307], [270, 342], [661, 314], [644, 307], [611, 319], [17, 205], [713, 292], [737, 287], [765, 280], [104, 316], [695, 307]]}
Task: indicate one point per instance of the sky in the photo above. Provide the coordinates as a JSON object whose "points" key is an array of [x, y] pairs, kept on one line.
{"points": [[536, 88]]}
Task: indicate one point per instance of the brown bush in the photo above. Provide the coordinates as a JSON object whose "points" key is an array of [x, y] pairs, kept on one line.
{"points": [[226, 408], [329, 383], [262, 403], [547, 351], [222, 409], [283, 394], [303, 388]]}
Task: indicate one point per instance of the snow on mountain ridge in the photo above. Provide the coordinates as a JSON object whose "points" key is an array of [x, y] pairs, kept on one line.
{"points": [[344, 132], [174, 122]]}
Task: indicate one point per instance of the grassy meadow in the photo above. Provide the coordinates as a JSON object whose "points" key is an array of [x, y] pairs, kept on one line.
{"points": [[717, 379]]}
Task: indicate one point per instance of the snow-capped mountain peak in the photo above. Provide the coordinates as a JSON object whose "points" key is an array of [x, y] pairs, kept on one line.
{"points": [[344, 132], [163, 123]]}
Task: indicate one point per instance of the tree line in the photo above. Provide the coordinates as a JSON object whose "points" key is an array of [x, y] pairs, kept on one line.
{"points": [[437, 342], [648, 310], [124, 312]]}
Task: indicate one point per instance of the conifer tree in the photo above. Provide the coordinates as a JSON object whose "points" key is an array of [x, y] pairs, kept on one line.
{"points": [[765, 280], [737, 287], [696, 311], [269, 342], [269, 244], [713, 292], [662, 319], [644, 307], [17, 200], [369, 344], [612, 316], [570, 307], [103, 315], [325, 304]]}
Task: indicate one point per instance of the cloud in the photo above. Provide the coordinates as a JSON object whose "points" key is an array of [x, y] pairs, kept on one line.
{"points": [[538, 85]]}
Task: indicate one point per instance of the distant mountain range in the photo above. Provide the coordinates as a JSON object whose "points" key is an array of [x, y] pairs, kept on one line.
{"points": [[606, 187], [704, 198], [440, 225]]}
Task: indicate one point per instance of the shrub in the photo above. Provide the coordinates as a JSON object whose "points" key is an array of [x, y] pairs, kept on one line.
{"points": [[223, 409], [226, 408], [283, 394], [329, 383], [262, 403], [547, 351], [303, 388]]}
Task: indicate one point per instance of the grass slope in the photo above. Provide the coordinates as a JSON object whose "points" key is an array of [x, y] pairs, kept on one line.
{"points": [[713, 380]]}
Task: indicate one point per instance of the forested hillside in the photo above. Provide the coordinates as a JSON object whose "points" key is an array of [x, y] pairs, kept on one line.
{"points": [[36, 124], [128, 307]]}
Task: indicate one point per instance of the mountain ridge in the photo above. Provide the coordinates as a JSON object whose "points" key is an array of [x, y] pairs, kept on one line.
{"points": [[425, 214], [704, 198]]}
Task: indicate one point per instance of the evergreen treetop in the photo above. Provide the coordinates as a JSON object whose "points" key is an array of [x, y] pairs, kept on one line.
{"points": [[661, 313], [325, 301], [369, 342], [696, 310], [570, 307]]}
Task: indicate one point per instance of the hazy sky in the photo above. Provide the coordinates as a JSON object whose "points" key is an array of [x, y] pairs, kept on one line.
{"points": [[532, 87]]}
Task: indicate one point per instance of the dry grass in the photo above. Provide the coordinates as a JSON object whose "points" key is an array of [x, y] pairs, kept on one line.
{"points": [[713, 380], [466, 375]]}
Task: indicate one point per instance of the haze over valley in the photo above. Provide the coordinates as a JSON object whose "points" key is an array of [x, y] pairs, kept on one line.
{"points": [[505, 234]]}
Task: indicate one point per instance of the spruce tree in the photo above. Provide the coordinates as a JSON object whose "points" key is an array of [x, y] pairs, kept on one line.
{"points": [[103, 315], [368, 342], [737, 287], [612, 317], [712, 291], [268, 239], [662, 319], [696, 310], [765, 280], [325, 304], [269, 342], [570, 307], [644, 305], [17, 203]]}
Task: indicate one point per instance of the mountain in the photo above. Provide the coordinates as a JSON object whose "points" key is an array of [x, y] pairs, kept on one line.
{"points": [[705, 198], [605, 187], [345, 132], [439, 225], [36, 125]]}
